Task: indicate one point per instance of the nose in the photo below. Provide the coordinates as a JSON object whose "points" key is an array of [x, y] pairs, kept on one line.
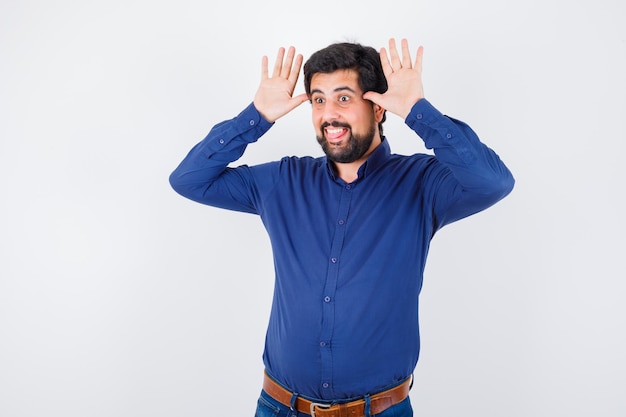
{"points": [[330, 111]]}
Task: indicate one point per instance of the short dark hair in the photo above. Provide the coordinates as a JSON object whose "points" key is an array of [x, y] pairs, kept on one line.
{"points": [[365, 60]]}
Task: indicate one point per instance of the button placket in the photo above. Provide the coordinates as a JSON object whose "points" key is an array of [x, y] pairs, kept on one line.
{"points": [[330, 287]]}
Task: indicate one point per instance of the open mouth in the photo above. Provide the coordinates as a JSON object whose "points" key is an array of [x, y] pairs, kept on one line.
{"points": [[335, 134]]}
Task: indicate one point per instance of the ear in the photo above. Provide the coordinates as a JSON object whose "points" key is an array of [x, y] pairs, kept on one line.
{"points": [[379, 112]]}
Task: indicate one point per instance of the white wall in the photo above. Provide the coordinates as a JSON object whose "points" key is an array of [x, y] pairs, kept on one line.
{"points": [[120, 298]]}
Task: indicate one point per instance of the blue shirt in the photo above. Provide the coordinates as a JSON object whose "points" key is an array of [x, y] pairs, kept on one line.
{"points": [[349, 258]]}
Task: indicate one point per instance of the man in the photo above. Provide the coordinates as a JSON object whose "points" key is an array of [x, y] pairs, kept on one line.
{"points": [[349, 231]]}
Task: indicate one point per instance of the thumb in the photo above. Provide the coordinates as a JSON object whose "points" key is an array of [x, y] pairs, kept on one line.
{"points": [[300, 98], [297, 101], [372, 96]]}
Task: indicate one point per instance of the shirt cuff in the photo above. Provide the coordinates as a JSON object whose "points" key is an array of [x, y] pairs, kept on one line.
{"points": [[250, 118], [422, 112]]}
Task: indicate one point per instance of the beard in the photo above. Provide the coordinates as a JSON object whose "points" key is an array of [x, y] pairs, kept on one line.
{"points": [[354, 149]]}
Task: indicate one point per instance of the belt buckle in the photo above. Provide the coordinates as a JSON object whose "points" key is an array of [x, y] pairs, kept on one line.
{"points": [[322, 406]]}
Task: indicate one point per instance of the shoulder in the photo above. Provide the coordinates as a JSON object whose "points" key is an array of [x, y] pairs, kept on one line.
{"points": [[302, 162], [414, 161]]}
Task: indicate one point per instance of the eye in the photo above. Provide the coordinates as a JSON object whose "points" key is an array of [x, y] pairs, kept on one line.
{"points": [[318, 100], [344, 98]]}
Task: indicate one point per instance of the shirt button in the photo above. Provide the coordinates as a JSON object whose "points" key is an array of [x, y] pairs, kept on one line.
{"points": [[222, 141], [251, 122], [333, 260], [322, 344], [341, 222], [419, 116], [327, 299], [348, 187], [449, 135], [325, 385]]}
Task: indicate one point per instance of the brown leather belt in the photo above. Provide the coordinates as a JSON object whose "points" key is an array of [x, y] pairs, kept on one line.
{"points": [[378, 402]]}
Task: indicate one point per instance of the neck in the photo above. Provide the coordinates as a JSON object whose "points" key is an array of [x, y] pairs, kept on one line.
{"points": [[349, 171]]}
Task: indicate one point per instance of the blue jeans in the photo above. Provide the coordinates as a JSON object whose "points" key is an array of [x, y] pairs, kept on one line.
{"points": [[269, 407]]}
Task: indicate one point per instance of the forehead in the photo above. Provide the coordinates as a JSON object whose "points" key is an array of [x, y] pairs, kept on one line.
{"points": [[327, 83]]}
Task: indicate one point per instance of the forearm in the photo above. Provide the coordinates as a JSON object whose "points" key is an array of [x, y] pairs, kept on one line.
{"points": [[478, 177], [198, 176]]}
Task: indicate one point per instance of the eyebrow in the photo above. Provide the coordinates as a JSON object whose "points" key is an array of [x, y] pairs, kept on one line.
{"points": [[336, 90]]}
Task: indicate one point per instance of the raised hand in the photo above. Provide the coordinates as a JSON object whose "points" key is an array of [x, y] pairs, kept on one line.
{"points": [[274, 98], [404, 80]]}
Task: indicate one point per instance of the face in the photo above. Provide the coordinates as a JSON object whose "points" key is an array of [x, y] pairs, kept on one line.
{"points": [[346, 123]]}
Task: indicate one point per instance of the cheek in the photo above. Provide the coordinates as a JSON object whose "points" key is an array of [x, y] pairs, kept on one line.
{"points": [[316, 117]]}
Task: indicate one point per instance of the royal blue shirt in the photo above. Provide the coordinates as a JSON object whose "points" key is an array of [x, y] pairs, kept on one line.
{"points": [[348, 258]]}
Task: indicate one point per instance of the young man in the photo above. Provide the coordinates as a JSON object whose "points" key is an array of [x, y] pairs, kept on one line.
{"points": [[349, 231]]}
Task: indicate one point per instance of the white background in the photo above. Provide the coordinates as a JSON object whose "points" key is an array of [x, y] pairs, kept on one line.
{"points": [[120, 298]]}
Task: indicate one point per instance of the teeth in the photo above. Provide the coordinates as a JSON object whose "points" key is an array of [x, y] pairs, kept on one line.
{"points": [[334, 131]]}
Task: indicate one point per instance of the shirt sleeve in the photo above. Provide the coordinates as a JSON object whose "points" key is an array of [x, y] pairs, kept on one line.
{"points": [[468, 176], [204, 174]]}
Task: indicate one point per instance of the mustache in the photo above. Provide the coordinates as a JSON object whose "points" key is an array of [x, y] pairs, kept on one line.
{"points": [[335, 124]]}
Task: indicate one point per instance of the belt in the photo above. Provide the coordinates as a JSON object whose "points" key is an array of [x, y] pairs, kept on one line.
{"points": [[378, 402]]}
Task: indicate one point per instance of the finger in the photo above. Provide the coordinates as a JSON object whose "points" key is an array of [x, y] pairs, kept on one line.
{"points": [[395, 58], [286, 69], [384, 60], [418, 58], [295, 70], [264, 71], [278, 65], [406, 55]]}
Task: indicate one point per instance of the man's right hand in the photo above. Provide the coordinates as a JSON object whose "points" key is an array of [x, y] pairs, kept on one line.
{"points": [[274, 98]]}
